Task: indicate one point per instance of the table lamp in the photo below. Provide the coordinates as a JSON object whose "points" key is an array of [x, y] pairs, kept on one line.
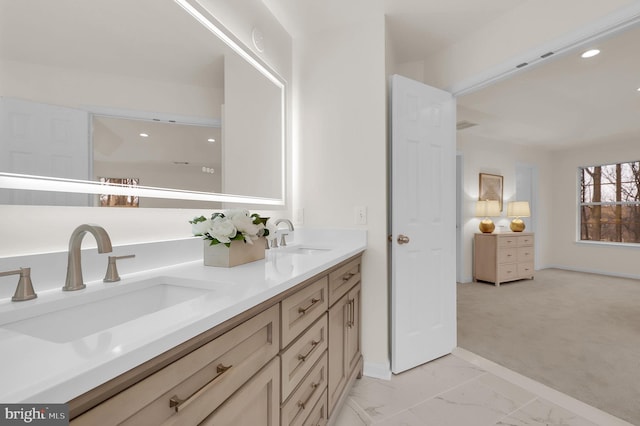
{"points": [[518, 209], [486, 209]]}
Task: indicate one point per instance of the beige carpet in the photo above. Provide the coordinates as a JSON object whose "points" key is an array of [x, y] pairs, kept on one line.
{"points": [[575, 332]]}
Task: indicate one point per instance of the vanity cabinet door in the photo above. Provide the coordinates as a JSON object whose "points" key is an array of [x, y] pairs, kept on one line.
{"points": [[353, 349], [189, 389], [257, 403]]}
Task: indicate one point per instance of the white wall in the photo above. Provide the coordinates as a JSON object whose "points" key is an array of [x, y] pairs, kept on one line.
{"points": [[340, 140], [564, 249], [486, 156]]}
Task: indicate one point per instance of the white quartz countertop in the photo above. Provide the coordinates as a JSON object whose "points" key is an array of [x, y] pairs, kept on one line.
{"points": [[34, 369]]}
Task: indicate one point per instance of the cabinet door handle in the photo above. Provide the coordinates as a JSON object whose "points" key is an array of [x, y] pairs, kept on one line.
{"points": [[304, 357], [348, 324], [179, 403], [304, 310], [303, 404], [353, 313], [347, 276]]}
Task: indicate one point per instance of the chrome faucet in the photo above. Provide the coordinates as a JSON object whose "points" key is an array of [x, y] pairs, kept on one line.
{"points": [[74, 279], [24, 290], [283, 242]]}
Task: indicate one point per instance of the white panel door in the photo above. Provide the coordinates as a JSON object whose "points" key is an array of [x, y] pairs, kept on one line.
{"points": [[423, 286], [44, 140]]}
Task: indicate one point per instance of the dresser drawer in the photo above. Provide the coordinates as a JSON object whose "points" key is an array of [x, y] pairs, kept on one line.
{"points": [[189, 389], [342, 279], [301, 309], [507, 255], [525, 270], [525, 240], [507, 272], [298, 359], [506, 241], [302, 401], [525, 254]]}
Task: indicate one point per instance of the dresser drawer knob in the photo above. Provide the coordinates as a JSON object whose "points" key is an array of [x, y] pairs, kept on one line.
{"points": [[304, 310]]}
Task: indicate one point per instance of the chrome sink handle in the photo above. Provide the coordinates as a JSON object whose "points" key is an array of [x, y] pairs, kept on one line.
{"points": [[112, 270], [24, 290], [74, 279]]}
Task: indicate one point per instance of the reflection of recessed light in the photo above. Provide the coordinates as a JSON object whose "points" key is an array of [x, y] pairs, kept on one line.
{"points": [[144, 135], [638, 89], [211, 140], [590, 53]]}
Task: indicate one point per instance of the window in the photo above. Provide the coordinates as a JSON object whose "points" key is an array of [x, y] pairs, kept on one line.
{"points": [[610, 203]]}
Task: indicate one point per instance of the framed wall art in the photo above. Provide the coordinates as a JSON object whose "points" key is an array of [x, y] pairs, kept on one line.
{"points": [[490, 188]]}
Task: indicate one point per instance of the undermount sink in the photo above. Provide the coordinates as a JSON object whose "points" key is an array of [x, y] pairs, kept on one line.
{"points": [[305, 250], [82, 315]]}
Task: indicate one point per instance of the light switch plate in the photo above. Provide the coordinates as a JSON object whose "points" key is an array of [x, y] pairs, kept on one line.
{"points": [[360, 215]]}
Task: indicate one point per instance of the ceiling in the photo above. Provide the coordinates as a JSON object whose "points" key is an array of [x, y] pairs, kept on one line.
{"points": [[565, 102]]}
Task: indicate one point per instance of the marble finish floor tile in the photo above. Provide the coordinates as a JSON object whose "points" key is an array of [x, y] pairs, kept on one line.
{"points": [[381, 399], [451, 391]]}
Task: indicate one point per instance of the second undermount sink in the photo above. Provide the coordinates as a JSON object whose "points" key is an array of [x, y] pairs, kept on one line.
{"points": [[83, 316], [305, 250]]}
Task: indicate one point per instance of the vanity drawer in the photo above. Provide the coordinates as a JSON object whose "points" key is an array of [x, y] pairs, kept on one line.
{"points": [[297, 409], [507, 255], [301, 309], [319, 413], [342, 279], [302, 355], [198, 383]]}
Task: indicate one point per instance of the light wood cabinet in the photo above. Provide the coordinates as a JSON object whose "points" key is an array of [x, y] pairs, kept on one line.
{"points": [[255, 404], [286, 362], [503, 257], [344, 344]]}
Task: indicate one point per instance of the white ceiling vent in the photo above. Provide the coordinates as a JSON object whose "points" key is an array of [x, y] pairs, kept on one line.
{"points": [[464, 124]]}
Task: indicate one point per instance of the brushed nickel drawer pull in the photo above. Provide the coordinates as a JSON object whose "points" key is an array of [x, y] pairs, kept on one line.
{"points": [[179, 403], [302, 404], [347, 276], [304, 310], [352, 314], [304, 357]]}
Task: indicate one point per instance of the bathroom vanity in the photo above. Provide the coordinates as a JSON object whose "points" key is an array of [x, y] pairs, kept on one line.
{"points": [[273, 342]]}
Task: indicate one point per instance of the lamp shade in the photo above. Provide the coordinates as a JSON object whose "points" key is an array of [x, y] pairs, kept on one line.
{"points": [[488, 208], [518, 209]]}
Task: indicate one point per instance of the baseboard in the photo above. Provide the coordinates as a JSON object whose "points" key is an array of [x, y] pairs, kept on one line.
{"points": [[594, 271], [377, 370]]}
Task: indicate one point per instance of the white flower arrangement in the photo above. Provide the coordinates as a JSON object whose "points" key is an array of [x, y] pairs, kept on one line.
{"points": [[232, 225]]}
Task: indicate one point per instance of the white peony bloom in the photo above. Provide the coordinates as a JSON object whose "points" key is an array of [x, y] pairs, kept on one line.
{"points": [[201, 227], [222, 229], [244, 223]]}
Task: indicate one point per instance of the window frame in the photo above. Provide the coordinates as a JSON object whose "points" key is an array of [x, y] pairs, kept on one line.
{"points": [[581, 204]]}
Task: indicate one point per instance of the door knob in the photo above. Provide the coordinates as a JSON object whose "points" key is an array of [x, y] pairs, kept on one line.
{"points": [[403, 239]]}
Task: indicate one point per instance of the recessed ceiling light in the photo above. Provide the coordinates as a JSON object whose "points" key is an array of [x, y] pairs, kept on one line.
{"points": [[144, 135], [590, 53], [211, 140]]}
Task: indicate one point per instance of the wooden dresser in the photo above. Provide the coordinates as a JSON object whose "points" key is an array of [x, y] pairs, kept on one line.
{"points": [[503, 257]]}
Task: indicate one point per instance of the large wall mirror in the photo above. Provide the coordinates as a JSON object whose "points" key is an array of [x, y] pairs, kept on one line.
{"points": [[146, 103]]}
